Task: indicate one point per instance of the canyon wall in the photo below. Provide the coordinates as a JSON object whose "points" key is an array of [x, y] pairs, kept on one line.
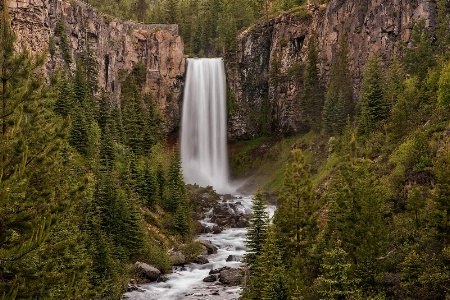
{"points": [[116, 46], [265, 71]]}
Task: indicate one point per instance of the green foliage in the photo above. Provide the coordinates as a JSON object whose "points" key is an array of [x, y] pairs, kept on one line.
{"points": [[419, 54], [60, 31], [334, 113], [294, 218], [338, 103], [444, 86], [336, 281], [373, 107], [257, 229], [313, 95]]}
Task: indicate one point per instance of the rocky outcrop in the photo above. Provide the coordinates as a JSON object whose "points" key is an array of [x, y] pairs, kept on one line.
{"points": [[116, 47], [148, 271], [231, 276], [265, 75], [229, 214], [208, 246]]}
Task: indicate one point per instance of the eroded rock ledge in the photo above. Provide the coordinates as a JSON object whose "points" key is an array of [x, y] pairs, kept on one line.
{"points": [[372, 26], [115, 45]]}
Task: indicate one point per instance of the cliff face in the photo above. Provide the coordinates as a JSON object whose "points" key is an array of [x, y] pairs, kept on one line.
{"points": [[115, 46], [269, 70]]}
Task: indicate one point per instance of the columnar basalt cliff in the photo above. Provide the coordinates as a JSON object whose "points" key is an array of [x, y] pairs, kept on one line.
{"points": [[268, 64], [116, 47]]}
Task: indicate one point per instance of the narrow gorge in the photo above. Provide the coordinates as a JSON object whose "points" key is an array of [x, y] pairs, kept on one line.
{"points": [[233, 149]]}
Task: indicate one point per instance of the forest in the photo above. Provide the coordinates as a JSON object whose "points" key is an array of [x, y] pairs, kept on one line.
{"points": [[88, 187], [368, 218]]}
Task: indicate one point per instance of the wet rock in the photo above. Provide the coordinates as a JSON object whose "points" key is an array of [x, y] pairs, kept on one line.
{"points": [[215, 293], [209, 246], [231, 276], [177, 258], [233, 215], [217, 271], [242, 222], [132, 286], [210, 278], [201, 260], [162, 279], [228, 197], [234, 258], [148, 271], [217, 229]]}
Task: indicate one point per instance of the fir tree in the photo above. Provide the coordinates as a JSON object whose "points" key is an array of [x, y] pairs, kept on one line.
{"points": [[295, 219], [373, 107], [312, 98], [31, 172], [257, 228], [337, 280]]}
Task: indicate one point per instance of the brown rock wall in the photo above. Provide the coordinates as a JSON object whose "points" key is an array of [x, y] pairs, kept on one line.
{"points": [[115, 45], [372, 26]]}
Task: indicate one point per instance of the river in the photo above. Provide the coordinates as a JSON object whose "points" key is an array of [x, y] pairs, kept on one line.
{"points": [[187, 283]]}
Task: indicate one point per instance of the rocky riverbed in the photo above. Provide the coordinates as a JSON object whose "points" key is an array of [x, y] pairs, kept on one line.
{"points": [[218, 273]]}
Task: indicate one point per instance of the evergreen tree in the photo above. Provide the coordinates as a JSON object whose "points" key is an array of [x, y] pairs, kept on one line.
{"points": [[442, 32], [295, 220], [341, 77], [257, 228], [31, 172], [418, 56], [336, 281], [373, 107], [444, 86], [313, 97], [334, 113]]}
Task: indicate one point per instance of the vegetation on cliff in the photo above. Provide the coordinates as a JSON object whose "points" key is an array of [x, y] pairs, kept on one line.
{"points": [[208, 27], [370, 219], [87, 187]]}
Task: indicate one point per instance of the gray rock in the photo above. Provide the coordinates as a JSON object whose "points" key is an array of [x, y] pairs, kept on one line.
{"points": [[201, 260], [177, 258], [148, 271], [210, 278], [231, 276], [217, 229], [234, 258], [209, 246]]}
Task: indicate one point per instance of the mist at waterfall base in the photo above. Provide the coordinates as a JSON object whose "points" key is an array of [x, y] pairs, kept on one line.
{"points": [[204, 125]]}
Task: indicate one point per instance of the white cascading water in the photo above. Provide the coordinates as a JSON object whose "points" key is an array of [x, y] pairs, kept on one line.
{"points": [[204, 126]]}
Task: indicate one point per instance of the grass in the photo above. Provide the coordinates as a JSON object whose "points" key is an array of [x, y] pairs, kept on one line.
{"points": [[262, 161]]}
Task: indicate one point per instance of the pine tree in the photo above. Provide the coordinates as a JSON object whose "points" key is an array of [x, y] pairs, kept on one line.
{"points": [[295, 219], [373, 107], [30, 169], [442, 32], [313, 96], [177, 200], [266, 277], [418, 56], [341, 77], [257, 228], [334, 113], [337, 280], [444, 87]]}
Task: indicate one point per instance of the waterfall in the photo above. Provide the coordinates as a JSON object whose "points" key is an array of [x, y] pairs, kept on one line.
{"points": [[204, 125]]}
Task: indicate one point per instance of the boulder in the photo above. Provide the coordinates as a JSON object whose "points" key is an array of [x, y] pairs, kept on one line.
{"points": [[209, 246], [177, 258], [201, 260], [231, 276], [148, 271], [210, 278], [217, 229], [234, 258]]}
